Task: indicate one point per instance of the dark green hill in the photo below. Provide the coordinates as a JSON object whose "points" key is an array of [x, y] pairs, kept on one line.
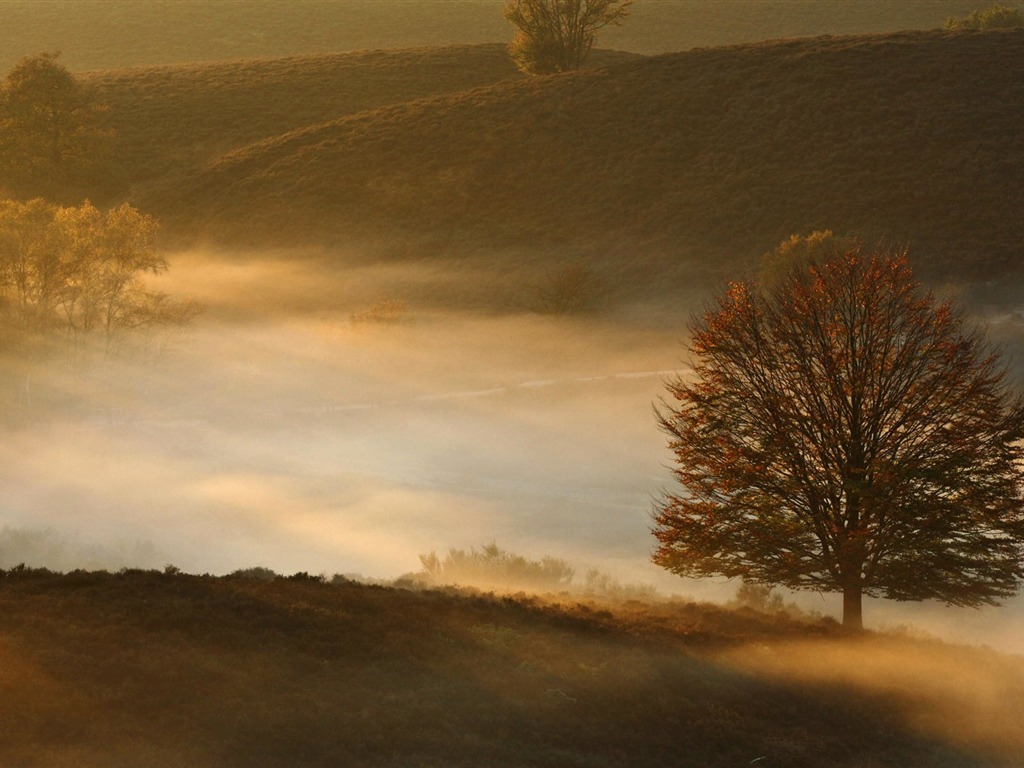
{"points": [[706, 155], [169, 670]]}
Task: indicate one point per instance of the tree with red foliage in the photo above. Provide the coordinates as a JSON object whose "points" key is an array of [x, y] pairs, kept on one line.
{"points": [[845, 431]]}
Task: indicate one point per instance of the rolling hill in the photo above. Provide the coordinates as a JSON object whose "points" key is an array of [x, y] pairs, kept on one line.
{"points": [[697, 157], [170, 119]]}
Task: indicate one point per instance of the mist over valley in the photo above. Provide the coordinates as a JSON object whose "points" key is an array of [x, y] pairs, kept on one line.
{"points": [[407, 310]]}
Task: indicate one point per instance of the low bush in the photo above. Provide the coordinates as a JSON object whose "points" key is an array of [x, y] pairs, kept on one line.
{"points": [[996, 17]]}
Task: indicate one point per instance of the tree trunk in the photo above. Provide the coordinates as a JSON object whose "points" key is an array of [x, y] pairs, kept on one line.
{"points": [[853, 617]]}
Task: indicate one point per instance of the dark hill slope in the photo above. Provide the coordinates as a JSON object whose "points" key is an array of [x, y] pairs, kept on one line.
{"points": [[169, 119], [172, 117], [713, 152], [167, 671]]}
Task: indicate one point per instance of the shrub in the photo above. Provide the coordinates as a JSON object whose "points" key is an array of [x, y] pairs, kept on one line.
{"points": [[571, 290], [996, 17], [494, 568], [258, 573], [759, 597], [601, 585], [385, 312]]}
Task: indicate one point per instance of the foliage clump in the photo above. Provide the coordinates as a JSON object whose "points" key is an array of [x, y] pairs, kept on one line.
{"points": [[389, 311], [257, 573], [492, 567], [557, 35], [801, 252], [759, 597], [996, 17], [571, 290], [76, 272], [495, 569]]}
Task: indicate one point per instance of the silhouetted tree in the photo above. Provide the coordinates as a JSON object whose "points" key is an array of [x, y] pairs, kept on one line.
{"points": [[49, 130], [843, 430], [557, 35]]}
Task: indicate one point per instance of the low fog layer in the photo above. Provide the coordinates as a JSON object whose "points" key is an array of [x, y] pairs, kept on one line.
{"points": [[346, 422], [966, 699], [310, 440]]}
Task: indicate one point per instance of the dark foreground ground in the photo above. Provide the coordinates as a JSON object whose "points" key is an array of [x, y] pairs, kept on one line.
{"points": [[164, 669]]}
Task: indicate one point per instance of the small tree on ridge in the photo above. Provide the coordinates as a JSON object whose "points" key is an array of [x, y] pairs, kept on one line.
{"points": [[557, 35], [844, 431]]}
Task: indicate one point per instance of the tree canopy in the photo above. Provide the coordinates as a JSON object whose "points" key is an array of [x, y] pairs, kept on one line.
{"points": [[557, 35], [844, 430], [50, 135]]}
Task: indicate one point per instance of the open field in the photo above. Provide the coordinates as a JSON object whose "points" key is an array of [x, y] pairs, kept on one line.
{"points": [[161, 670]]}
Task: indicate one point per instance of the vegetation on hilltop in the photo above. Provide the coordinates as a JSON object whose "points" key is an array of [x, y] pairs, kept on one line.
{"points": [[558, 35], [995, 17], [717, 153], [167, 669]]}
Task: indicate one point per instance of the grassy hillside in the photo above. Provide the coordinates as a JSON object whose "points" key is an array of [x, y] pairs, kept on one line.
{"points": [[171, 119], [107, 34], [151, 669], [713, 153]]}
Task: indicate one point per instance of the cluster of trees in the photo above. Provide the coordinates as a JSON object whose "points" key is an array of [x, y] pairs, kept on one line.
{"points": [[77, 272], [846, 431], [494, 568], [73, 271]]}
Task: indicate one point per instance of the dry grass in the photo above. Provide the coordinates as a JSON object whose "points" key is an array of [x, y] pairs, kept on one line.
{"points": [[151, 669]]}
